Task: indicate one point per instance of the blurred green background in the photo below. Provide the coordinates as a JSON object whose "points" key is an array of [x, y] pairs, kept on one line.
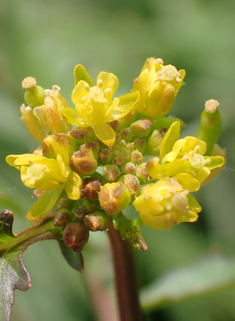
{"points": [[46, 39]]}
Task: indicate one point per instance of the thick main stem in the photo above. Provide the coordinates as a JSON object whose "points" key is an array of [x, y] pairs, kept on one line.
{"points": [[125, 277]]}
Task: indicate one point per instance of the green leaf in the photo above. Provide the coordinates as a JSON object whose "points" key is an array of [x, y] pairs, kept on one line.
{"points": [[209, 274], [13, 274]]}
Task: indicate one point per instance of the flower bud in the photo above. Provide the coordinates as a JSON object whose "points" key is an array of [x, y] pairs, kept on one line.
{"points": [[141, 128], [114, 197], [131, 182], [93, 146], [111, 172], [140, 143], [75, 236], [136, 157], [126, 135], [37, 129], [128, 168], [210, 125], [105, 156], [83, 162], [142, 174], [96, 221], [154, 142], [34, 95], [91, 188], [62, 217], [82, 134]]}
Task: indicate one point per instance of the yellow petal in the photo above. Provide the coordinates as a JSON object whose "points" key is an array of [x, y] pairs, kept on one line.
{"points": [[105, 133], [172, 135], [108, 80], [125, 104], [73, 186], [188, 182], [73, 117]]}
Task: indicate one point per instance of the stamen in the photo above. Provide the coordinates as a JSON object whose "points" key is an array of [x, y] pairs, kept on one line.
{"points": [[207, 161], [84, 98], [169, 208], [160, 61], [108, 91], [99, 83], [87, 87], [168, 196], [196, 149], [29, 82], [178, 80], [185, 158], [185, 192]]}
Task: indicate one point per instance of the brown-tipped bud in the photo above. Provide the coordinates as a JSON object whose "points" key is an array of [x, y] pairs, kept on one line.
{"points": [[62, 217], [75, 236], [114, 125], [82, 134], [154, 142], [105, 156], [142, 127], [93, 146], [124, 122], [83, 162], [142, 174], [111, 172], [114, 197], [91, 188], [131, 182], [140, 143], [136, 157], [96, 221], [151, 165], [118, 160], [37, 193], [128, 168], [126, 135]]}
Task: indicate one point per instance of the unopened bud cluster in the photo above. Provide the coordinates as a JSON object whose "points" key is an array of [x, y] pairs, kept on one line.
{"points": [[110, 152]]}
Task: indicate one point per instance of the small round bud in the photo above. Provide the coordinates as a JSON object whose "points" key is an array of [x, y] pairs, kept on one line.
{"points": [[111, 172], [83, 162], [128, 168], [136, 157], [131, 182], [93, 146], [105, 156], [62, 217], [141, 128], [82, 134], [75, 236], [96, 221], [114, 198]]}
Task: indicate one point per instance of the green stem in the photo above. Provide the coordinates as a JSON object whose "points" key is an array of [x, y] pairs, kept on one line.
{"points": [[32, 232], [125, 276]]}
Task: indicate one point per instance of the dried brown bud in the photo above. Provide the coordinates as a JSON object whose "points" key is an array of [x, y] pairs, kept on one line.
{"points": [[91, 188], [96, 221], [75, 236]]}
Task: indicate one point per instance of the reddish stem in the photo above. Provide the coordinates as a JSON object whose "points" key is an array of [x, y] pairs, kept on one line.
{"points": [[125, 276]]}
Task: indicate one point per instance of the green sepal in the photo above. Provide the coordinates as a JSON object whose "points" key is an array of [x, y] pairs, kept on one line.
{"points": [[80, 73]]}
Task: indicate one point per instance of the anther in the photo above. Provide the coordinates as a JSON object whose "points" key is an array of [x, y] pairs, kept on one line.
{"points": [[169, 208], [84, 98], [87, 87], [160, 61], [108, 91], [99, 83]]}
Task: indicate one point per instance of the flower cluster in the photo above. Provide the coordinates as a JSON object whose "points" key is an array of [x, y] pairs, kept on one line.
{"points": [[108, 152]]}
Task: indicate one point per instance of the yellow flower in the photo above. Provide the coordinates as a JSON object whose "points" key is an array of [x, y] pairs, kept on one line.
{"points": [[46, 117], [165, 204], [158, 85], [183, 159], [48, 175], [94, 106]]}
